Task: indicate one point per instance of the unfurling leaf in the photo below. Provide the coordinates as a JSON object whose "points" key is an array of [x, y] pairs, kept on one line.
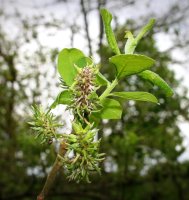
{"points": [[128, 64], [107, 18], [137, 96], [157, 80], [132, 42]]}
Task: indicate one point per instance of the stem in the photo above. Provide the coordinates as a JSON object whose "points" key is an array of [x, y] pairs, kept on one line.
{"points": [[52, 175], [108, 90]]}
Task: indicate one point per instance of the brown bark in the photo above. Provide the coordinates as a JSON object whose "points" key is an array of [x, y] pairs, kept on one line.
{"points": [[52, 175]]}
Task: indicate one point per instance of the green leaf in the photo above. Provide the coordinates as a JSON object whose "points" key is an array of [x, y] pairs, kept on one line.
{"points": [[157, 80], [138, 96], [107, 18], [66, 60], [101, 80], [84, 61], [128, 64], [111, 109], [64, 97]]}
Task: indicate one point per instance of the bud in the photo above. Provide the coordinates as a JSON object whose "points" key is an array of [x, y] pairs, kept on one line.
{"points": [[44, 124], [85, 150]]}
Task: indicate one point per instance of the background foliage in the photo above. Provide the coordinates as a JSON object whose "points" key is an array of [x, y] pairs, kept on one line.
{"points": [[142, 148]]}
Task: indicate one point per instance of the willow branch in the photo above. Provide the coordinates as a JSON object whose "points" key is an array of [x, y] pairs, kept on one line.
{"points": [[52, 175]]}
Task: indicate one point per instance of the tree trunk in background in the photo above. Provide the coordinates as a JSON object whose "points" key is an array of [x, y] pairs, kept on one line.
{"points": [[101, 4], [86, 25]]}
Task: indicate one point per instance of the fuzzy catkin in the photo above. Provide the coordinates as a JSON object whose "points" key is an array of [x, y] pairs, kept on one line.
{"points": [[84, 87]]}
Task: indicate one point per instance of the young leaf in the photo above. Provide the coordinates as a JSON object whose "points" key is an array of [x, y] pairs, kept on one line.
{"points": [[107, 18], [66, 60], [132, 42], [65, 97], [111, 109], [145, 30], [157, 80], [128, 64], [138, 96]]}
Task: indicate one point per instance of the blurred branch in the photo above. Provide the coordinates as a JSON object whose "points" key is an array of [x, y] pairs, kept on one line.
{"points": [[84, 12], [101, 3], [121, 4], [9, 60], [177, 45], [175, 18]]}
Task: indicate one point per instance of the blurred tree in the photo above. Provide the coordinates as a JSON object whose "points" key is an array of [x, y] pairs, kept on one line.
{"points": [[21, 79]]}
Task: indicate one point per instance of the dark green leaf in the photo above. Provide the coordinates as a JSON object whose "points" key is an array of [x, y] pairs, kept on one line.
{"points": [[111, 109], [128, 64], [95, 118], [66, 60], [138, 96], [157, 80], [107, 18]]}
